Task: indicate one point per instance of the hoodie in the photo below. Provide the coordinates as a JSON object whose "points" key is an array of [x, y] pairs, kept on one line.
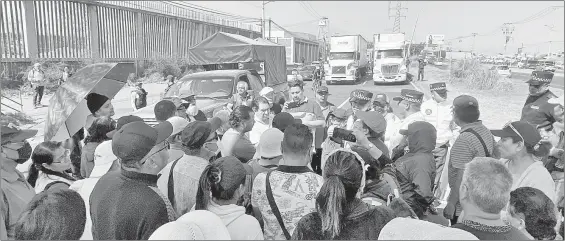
{"points": [[240, 225], [377, 190], [416, 170]]}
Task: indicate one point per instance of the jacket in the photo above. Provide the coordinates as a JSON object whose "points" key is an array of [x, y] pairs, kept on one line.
{"points": [[240, 225]]}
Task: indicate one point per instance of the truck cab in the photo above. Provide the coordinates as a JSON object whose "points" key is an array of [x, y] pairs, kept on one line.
{"points": [[389, 65], [347, 59]]}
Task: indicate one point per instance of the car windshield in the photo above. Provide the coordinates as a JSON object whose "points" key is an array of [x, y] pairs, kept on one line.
{"points": [[206, 86], [503, 67], [390, 54], [308, 68], [341, 55]]}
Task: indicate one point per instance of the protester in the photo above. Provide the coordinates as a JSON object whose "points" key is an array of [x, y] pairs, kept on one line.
{"points": [[381, 104], [335, 119], [322, 94], [177, 149], [195, 225], [164, 110], [537, 111], [437, 111], [127, 204], [52, 215], [282, 120], [50, 160], [224, 116], [138, 97], [373, 125], [302, 108], [269, 94], [193, 113], [100, 131], [15, 190], [412, 229], [519, 145], [263, 118], [242, 97], [376, 189], [268, 153], [179, 178], [235, 141], [556, 159], [474, 140], [533, 213], [75, 145], [484, 193], [340, 214], [99, 106], [220, 187], [359, 100], [421, 65], [104, 161], [36, 77], [65, 75], [410, 102], [293, 184]]}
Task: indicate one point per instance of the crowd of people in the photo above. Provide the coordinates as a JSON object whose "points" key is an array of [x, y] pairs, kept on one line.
{"points": [[301, 169]]}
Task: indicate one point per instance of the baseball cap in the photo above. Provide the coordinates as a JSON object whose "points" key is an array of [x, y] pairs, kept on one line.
{"points": [[381, 99], [464, 101], [360, 96], [421, 127], [522, 129], [413, 96], [341, 113], [127, 119], [558, 100], [270, 143], [135, 140], [178, 124], [164, 109], [194, 225], [414, 229], [11, 133], [540, 77], [233, 172], [195, 134], [268, 93], [283, 120], [374, 120], [323, 90]]}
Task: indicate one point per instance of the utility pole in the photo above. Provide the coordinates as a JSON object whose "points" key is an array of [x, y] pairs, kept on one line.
{"points": [[412, 38], [473, 47], [323, 30], [263, 17], [507, 30], [397, 16]]}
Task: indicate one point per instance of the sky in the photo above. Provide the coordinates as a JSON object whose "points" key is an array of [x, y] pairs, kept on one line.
{"points": [[450, 18]]}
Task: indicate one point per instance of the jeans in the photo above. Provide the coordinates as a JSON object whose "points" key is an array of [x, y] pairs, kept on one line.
{"points": [[421, 74], [440, 154], [38, 95]]}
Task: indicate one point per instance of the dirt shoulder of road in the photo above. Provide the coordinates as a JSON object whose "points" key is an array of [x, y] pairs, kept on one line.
{"points": [[497, 108]]}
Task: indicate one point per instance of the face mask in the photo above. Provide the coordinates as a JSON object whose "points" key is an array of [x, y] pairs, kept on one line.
{"points": [[24, 153], [192, 110]]}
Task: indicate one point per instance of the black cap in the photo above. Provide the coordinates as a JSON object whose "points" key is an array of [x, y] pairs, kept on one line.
{"points": [[464, 101], [540, 77], [410, 95], [360, 96]]}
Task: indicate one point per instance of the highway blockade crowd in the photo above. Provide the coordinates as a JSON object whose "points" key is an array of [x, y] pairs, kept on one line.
{"points": [[297, 169]]}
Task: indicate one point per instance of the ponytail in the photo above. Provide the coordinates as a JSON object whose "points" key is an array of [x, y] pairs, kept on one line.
{"points": [[43, 154], [208, 185], [33, 174], [330, 202]]}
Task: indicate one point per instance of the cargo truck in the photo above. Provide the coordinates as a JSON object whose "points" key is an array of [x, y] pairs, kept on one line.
{"points": [[389, 64], [348, 59]]}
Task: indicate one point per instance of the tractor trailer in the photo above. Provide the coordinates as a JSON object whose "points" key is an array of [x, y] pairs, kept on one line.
{"points": [[348, 59], [389, 64]]}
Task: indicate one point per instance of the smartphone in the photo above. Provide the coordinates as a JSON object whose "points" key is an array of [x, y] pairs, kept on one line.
{"points": [[344, 134], [293, 105]]}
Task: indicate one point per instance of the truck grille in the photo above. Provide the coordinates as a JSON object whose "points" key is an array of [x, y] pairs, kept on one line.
{"points": [[389, 69], [338, 70]]}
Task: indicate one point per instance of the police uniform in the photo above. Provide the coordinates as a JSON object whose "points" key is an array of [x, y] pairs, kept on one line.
{"points": [[410, 96], [537, 111], [359, 96], [439, 115]]}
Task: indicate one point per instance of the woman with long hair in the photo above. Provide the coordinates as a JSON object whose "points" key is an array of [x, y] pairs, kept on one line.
{"points": [[533, 213], [520, 145], [221, 185], [340, 213], [52, 215], [50, 160], [99, 131]]}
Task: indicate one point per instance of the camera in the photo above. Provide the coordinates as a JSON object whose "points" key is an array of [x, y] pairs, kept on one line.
{"points": [[344, 134]]}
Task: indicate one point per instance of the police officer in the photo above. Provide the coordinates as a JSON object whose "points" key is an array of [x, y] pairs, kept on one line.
{"points": [[437, 111], [537, 111], [421, 65], [360, 100], [411, 104]]}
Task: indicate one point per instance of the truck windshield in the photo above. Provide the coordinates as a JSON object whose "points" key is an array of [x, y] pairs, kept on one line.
{"points": [[341, 56], [390, 54], [210, 86]]}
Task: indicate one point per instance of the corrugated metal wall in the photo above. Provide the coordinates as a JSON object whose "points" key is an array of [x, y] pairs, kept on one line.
{"points": [[297, 48], [71, 30]]}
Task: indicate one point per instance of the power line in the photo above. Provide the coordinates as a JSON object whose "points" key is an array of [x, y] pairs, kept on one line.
{"points": [[312, 8], [301, 23], [203, 9], [307, 9]]}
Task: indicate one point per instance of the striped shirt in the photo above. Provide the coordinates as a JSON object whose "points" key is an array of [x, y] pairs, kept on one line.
{"points": [[465, 148]]}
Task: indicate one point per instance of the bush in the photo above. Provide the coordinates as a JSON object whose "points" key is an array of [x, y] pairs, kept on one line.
{"points": [[17, 118], [474, 75]]}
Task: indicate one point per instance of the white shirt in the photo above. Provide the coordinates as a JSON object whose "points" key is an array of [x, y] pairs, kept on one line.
{"points": [[439, 115], [397, 137], [257, 131], [392, 125]]}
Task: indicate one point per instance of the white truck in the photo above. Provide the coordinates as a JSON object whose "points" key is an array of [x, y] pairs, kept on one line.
{"points": [[348, 59], [389, 65]]}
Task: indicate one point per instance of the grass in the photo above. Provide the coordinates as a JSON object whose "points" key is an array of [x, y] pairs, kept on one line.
{"points": [[476, 76], [497, 106]]}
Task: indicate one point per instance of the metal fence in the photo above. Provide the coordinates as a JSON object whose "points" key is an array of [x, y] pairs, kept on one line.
{"points": [[109, 31]]}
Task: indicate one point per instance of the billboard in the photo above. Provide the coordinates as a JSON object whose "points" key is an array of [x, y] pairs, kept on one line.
{"points": [[435, 39]]}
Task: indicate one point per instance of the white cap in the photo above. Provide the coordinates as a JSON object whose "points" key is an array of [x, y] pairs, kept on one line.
{"points": [[558, 100], [414, 229], [268, 93], [178, 124], [270, 143], [103, 159], [194, 225]]}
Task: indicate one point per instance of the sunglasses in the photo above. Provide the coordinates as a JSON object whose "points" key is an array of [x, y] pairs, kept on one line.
{"points": [[509, 124]]}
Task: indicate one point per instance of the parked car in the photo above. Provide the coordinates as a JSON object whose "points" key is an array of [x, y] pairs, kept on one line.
{"points": [[502, 70], [559, 65], [548, 66], [292, 73], [307, 72], [212, 90]]}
